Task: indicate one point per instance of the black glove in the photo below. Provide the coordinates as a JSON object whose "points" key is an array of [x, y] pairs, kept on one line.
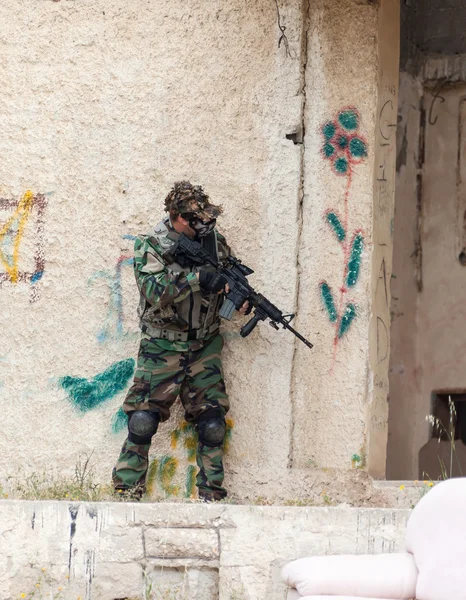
{"points": [[210, 281]]}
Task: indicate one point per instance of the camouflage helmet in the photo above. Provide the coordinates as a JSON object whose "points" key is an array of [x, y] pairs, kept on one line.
{"points": [[187, 198]]}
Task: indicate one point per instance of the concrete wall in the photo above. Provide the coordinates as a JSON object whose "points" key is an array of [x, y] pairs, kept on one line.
{"points": [[349, 71], [175, 551], [441, 26], [102, 108], [383, 207], [427, 320], [405, 371], [441, 308], [431, 28]]}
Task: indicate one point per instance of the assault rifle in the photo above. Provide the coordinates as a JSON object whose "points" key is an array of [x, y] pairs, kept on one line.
{"points": [[235, 274]]}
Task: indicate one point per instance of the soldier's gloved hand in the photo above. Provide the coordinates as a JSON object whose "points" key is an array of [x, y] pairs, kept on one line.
{"points": [[210, 281]]}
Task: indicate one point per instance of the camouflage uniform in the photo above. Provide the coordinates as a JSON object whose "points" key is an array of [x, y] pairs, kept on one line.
{"points": [[179, 353]]}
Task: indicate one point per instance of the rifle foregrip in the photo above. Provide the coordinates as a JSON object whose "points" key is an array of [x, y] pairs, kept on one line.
{"points": [[227, 310], [246, 329]]}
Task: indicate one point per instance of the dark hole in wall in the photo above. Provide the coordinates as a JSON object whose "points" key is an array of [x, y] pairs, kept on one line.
{"points": [[449, 408], [444, 455], [296, 137], [431, 27]]}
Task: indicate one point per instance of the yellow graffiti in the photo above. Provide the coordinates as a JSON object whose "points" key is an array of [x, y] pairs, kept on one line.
{"points": [[188, 431], [164, 469], [226, 442], [190, 481], [167, 471], [20, 216], [151, 476]]}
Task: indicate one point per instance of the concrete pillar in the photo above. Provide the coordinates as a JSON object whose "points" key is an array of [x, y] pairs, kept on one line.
{"points": [[382, 250], [340, 391]]}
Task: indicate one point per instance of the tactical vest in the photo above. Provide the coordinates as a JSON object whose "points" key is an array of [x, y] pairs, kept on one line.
{"points": [[195, 317]]}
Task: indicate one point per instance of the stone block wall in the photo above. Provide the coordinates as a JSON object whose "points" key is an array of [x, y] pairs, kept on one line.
{"points": [[174, 551]]}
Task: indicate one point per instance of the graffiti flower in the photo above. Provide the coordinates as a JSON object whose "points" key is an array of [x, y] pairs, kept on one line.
{"points": [[343, 146]]}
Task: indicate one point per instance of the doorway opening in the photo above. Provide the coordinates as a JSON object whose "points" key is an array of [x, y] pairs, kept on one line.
{"points": [[428, 320]]}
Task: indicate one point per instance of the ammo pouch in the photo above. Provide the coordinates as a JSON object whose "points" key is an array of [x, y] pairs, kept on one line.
{"points": [[180, 336]]}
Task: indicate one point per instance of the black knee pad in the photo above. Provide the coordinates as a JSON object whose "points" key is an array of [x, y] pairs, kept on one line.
{"points": [[212, 427], [142, 425]]}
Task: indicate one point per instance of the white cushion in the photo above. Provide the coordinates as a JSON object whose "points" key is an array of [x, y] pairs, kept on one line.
{"points": [[387, 576], [436, 535]]}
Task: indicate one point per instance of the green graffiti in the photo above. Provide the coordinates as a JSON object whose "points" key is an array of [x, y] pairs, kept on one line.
{"points": [[190, 442], [188, 432], [329, 149], [357, 148], [228, 434], [348, 119], [86, 394], [342, 142], [354, 263], [341, 165], [119, 421], [190, 481], [329, 302], [356, 461], [163, 469], [329, 130], [344, 147], [167, 470], [151, 476], [175, 437], [348, 317], [336, 225]]}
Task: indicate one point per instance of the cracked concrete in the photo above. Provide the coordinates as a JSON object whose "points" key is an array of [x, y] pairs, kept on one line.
{"points": [[306, 7], [242, 547]]}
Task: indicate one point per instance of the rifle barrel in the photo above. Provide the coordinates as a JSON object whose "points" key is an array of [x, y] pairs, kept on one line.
{"points": [[297, 334]]}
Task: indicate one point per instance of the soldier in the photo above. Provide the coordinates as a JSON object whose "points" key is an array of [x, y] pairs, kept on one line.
{"points": [[180, 346]]}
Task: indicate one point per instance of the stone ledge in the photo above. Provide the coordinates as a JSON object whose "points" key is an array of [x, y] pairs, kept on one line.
{"points": [[112, 548]]}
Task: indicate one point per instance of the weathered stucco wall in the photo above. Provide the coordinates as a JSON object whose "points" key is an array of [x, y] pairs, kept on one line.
{"points": [[103, 106], [176, 551], [351, 97]]}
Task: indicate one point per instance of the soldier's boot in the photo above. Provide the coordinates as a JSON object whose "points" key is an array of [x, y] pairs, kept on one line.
{"points": [[211, 428], [129, 474], [211, 496]]}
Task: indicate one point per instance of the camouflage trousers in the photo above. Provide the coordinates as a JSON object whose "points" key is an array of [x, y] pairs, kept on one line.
{"points": [[196, 376]]}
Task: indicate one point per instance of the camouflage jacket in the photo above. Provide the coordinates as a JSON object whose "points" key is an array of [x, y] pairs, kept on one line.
{"points": [[172, 305]]}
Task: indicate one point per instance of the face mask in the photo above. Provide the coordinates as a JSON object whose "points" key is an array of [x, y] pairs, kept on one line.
{"points": [[202, 228]]}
